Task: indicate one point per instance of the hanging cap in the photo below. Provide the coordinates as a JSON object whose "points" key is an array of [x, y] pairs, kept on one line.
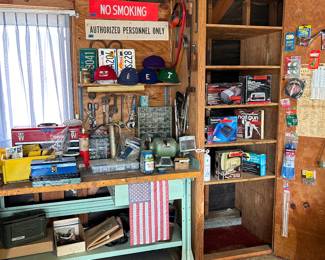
{"points": [[128, 76], [148, 76], [154, 62], [105, 73], [168, 75]]}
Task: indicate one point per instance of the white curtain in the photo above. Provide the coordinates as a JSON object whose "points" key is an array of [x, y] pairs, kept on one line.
{"points": [[35, 71]]}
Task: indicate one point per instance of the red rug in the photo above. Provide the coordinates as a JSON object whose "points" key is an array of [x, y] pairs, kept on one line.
{"points": [[229, 238]]}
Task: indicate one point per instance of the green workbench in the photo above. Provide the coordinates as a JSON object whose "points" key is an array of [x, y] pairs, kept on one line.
{"points": [[179, 189]]}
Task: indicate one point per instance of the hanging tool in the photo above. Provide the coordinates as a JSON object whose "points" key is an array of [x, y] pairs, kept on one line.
{"points": [[105, 103], [122, 124], [112, 109], [132, 113], [92, 107]]}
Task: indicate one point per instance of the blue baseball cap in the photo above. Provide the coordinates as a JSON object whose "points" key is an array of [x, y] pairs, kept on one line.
{"points": [[148, 76], [128, 76], [154, 62]]}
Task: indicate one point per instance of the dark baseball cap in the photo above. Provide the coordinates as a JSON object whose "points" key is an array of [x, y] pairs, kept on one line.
{"points": [[148, 76], [154, 62], [128, 76], [168, 76]]}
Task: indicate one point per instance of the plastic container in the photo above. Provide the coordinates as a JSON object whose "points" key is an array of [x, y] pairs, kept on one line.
{"points": [[18, 169]]}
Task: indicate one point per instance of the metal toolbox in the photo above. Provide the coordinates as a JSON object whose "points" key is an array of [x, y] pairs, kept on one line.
{"points": [[23, 228]]}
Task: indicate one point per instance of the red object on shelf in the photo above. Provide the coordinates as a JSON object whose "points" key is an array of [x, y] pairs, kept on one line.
{"points": [[123, 10], [41, 135], [84, 147]]}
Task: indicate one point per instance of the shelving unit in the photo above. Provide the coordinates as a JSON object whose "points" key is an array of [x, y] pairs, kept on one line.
{"points": [[259, 53]]}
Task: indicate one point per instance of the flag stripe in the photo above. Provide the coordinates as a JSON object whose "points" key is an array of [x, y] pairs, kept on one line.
{"points": [[149, 220]]}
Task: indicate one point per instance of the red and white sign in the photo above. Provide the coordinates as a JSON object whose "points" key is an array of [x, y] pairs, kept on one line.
{"points": [[123, 10]]}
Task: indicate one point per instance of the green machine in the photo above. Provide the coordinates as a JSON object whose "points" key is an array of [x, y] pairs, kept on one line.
{"points": [[164, 149]]}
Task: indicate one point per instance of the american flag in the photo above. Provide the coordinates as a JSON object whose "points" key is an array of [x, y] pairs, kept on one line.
{"points": [[149, 212]]}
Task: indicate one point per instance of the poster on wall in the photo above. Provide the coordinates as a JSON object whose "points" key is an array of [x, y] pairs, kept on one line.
{"points": [[123, 10], [126, 30]]}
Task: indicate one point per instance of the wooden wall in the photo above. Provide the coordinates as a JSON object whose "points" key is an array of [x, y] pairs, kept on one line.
{"points": [[306, 238]]}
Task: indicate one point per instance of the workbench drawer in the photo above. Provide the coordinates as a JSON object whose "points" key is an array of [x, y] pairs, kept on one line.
{"points": [[121, 192]]}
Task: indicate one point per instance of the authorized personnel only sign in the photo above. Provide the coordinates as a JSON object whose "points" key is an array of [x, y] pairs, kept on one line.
{"points": [[126, 30], [123, 10]]}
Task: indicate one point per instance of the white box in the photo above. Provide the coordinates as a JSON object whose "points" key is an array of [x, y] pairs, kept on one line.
{"points": [[64, 226]]}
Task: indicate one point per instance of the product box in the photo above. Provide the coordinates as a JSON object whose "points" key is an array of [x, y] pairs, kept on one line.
{"points": [[108, 57], [250, 123], [228, 164], [224, 93], [38, 247], [254, 163], [257, 88], [224, 130], [125, 59], [88, 60], [69, 237]]}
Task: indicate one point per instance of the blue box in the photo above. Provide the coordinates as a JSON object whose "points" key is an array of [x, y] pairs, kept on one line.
{"points": [[66, 166], [224, 130], [254, 163]]}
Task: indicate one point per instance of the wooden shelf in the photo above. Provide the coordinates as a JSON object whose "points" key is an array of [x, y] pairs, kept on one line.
{"points": [[273, 104], [242, 142], [246, 177], [238, 32], [117, 250], [90, 180], [240, 253], [242, 67]]}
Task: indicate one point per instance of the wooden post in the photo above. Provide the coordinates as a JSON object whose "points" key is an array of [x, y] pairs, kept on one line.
{"points": [[247, 12]]}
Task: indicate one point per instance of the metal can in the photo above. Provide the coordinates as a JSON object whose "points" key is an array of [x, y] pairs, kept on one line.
{"points": [[147, 164], [85, 76], [144, 101]]}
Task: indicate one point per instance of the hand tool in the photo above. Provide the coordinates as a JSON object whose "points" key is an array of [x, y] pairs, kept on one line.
{"points": [[122, 124], [132, 113]]}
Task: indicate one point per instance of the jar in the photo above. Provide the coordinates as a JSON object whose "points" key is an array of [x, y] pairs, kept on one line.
{"points": [[85, 76], [147, 164]]}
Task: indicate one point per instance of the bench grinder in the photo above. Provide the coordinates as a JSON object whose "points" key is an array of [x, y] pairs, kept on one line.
{"points": [[164, 149]]}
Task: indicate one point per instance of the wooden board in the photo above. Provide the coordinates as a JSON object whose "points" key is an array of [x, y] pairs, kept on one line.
{"points": [[240, 253], [242, 67], [255, 200], [306, 226], [243, 142], [238, 32], [62, 4], [90, 180], [246, 177]]}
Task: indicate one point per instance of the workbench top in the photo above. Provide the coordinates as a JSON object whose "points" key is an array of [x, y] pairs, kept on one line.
{"points": [[90, 180]]}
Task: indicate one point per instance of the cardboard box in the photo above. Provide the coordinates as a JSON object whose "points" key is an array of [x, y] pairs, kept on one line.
{"points": [[69, 226], [41, 246]]}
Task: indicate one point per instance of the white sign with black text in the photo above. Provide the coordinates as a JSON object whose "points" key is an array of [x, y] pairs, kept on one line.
{"points": [[126, 30]]}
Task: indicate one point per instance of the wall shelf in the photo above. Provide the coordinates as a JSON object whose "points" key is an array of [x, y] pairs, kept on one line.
{"points": [[242, 67], [246, 177], [238, 32], [242, 142], [117, 88], [273, 104]]}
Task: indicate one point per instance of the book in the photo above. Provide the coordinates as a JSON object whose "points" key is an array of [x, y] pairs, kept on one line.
{"points": [[250, 124]]}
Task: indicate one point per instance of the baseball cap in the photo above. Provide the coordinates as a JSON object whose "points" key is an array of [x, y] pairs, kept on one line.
{"points": [[128, 76], [168, 75], [105, 73], [148, 76], [154, 62]]}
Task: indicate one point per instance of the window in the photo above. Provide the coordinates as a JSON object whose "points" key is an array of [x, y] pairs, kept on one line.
{"points": [[35, 70]]}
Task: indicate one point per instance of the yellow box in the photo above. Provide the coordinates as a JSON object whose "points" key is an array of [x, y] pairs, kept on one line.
{"points": [[18, 169], [2, 153]]}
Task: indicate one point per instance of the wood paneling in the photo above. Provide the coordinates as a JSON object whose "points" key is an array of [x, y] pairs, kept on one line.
{"points": [[220, 9], [255, 201], [306, 237]]}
